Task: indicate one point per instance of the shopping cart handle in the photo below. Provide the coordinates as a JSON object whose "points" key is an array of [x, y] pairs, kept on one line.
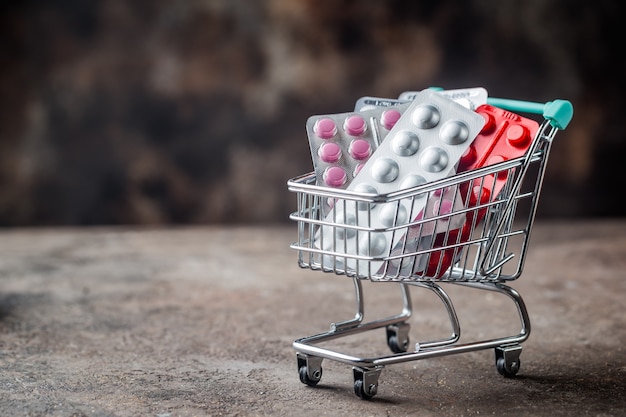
{"points": [[558, 112]]}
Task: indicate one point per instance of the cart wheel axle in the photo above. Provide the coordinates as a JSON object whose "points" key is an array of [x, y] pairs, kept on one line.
{"points": [[362, 392], [305, 378]]}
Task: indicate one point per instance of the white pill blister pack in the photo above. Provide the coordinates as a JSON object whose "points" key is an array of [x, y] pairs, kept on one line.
{"points": [[467, 97], [424, 145], [421, 235], [369, 103]]}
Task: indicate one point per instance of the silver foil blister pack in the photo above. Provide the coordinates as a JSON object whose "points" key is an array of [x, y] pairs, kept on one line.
{"points": [[424, 145], [470, 98]]}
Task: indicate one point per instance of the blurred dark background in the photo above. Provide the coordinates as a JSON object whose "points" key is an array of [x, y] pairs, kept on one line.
{"points": [[189, 112]]}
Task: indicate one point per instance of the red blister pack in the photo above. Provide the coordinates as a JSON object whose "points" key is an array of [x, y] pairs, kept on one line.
{"points": [[504, 136]]}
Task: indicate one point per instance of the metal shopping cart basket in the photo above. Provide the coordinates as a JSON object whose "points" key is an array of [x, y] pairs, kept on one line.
{"points": [[485, 253]]}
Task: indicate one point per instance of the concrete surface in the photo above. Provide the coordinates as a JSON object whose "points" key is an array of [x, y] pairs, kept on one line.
{"points": [[200, 321]]}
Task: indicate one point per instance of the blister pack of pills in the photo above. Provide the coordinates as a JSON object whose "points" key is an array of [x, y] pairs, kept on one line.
{"points": [[369, 103], [467, 97], [445, 207], [504, 136], [341, 143], [424, 145]]}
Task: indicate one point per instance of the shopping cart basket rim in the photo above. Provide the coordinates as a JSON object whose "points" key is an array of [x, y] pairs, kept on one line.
{"points": [[307, 183]]}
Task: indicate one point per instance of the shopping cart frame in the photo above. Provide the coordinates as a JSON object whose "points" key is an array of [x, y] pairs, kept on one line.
{"points": [[483, 261]]}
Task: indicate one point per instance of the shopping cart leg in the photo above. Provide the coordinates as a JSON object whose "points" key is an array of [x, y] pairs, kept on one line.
{"points": [[360, 308], [398, 333]]}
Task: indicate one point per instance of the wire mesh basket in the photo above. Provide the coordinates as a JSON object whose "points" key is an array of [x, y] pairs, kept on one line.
{"points": [[476, 238]]}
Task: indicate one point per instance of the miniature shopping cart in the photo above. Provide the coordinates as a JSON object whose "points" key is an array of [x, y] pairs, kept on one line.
{"points": [[488, 253]]}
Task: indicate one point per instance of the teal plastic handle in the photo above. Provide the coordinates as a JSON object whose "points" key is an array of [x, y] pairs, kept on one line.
{"points": [[558, 112]]}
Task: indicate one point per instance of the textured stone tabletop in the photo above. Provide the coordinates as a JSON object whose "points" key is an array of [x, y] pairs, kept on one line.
{"points": [[200, 321]]}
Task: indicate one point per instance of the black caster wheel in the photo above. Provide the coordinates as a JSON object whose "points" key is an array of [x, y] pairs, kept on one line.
{"points": [[508, 371], [398, 337], [507, 360], [362, 392], [309, 369], [366, 382], [310, 380], [395, 346]]}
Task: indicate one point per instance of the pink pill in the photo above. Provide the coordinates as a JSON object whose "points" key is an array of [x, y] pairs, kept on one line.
{"points": [[360, 149], [358, 169], [438, 192], [330, 152], [442, 207], [354, 125], [335, 176], [389, 118], [325, 128]]}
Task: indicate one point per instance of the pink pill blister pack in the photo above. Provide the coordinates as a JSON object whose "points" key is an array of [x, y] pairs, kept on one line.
{"points": [[342, 143], [424, 145]]}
